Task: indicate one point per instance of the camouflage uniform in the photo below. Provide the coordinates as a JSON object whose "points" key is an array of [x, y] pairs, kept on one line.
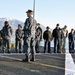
{"points": [[19, 39], [38, 37], [7, 32], [64, 36], [29, 38]]}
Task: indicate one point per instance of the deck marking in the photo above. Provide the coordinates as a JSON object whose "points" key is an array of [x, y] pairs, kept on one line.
{"points": [[69, 64]]}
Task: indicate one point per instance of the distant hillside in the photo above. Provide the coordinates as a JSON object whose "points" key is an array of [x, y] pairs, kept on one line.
{"points": [[13, 22]]}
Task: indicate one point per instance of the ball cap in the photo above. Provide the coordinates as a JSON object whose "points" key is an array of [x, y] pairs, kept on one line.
{"points": [[29, 11], [19, 25], [6, 22], [58, 25], [47, 27], [38, 24], [65, 26]]}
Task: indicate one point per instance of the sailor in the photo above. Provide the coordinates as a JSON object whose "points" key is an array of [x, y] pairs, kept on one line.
{"points": [[29, 37]]}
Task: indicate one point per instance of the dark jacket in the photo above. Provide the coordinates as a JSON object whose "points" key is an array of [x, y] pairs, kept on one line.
{"points": [[41, 32], [19, 34], [57, 33], [47, 35], [7, 32], [71, 37], [38, 33]]}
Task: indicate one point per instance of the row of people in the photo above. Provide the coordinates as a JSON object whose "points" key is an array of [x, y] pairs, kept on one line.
{"points": [[59, 36], [6, 33]]}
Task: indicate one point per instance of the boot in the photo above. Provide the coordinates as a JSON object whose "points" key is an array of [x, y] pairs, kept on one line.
{"points": [[8, 50], [37, 51], [27, 59], [33, 58]]}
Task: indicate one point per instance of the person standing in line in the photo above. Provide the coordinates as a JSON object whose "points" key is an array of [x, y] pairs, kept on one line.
{"points": [[64, 36], [40, 29], [57, 35], [47, 36], [7, 33], [38, 37], [19, 39], [71, 41]]}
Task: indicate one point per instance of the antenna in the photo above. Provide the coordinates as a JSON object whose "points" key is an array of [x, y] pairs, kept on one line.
{"points": [[34, 10]]}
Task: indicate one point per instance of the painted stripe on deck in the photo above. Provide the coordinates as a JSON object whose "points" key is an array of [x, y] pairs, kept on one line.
{"points": [[69, 64]]}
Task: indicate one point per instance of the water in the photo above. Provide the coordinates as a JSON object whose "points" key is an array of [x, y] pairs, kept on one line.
{"points": [[52, 44]]}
